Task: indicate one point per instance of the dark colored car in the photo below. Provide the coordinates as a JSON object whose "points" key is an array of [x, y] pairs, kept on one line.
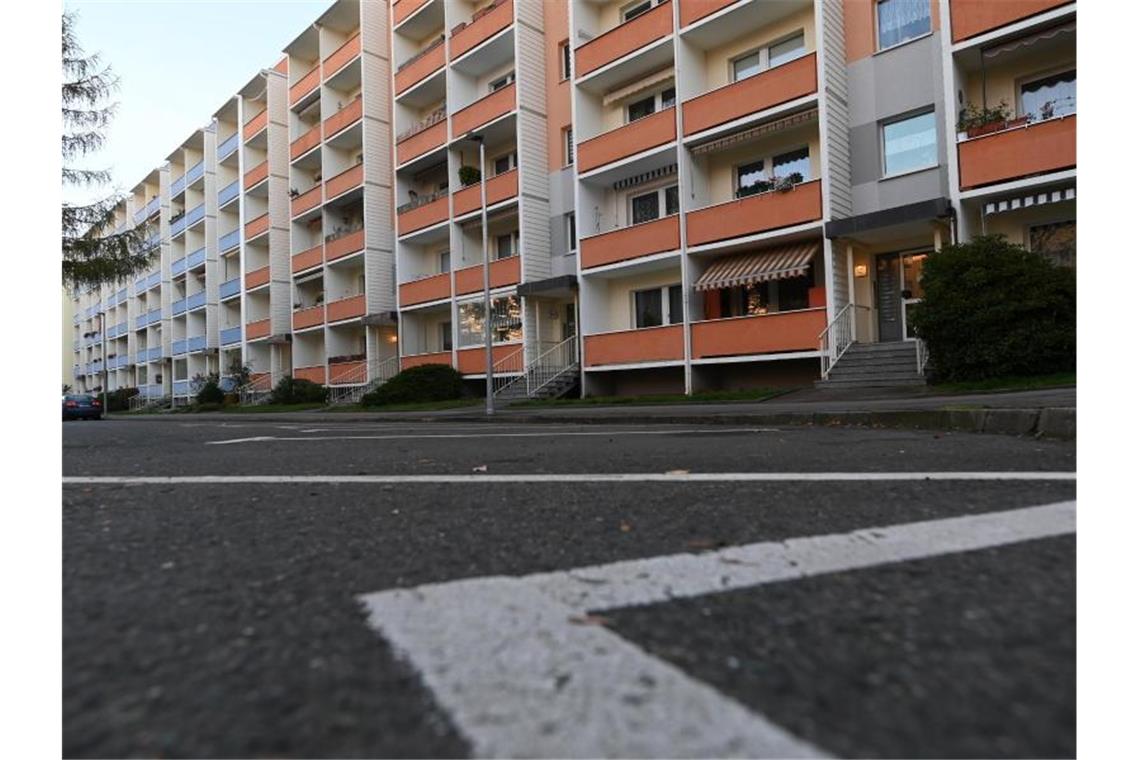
{"points": [[82, 406]]}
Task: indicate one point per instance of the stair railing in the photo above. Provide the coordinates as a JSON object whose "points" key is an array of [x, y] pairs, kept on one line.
{"points": [[256, 391], [921, 354], [507, 371], [364, 379], [837, 337], [551, 364]]}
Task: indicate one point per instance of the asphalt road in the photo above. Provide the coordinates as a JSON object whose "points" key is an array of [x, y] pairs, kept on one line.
{"points": [[224, 619]]}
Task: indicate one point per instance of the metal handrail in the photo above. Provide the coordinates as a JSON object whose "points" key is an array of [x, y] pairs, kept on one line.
{"points": [[256, 391], [921, 354], [837, 337], [363, 380], [545, 369]]}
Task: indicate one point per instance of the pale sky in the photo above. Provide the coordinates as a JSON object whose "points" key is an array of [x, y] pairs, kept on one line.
{"points": [[177, 62]]}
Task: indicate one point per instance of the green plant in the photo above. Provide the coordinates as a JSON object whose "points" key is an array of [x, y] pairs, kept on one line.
{"points": [[290, 390], [120, 400], [993, 309], [469, 175], [210, 392], [427, 382], [974, 117]]}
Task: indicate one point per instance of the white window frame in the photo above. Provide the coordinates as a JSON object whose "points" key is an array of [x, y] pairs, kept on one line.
{"points": [[1021, 82], [571, 225], [769, 161], [625, 9], [662, 206], [658, 102], [512, 159], [568, 145], [514, 236], [875, 22], [883, 143], [564, 60], [439, 257], [501, 82], [666, 310], [764, 56]]}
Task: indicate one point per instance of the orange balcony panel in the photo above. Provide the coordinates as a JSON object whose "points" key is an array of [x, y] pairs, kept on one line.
{"points": [[499, 188], [632, 242], [344, 245], [425, 289], [305, 142], [503, 272], [421, 142], [345, 53], [256, 278], [969, 18], [310, 317], [255, 125], [345, 117], [418, 360], [312, 374], [766, 334], [430, 61], [257, 329], [487, 108], [422, 216], [756, 93], [755, 214], [1046, 146], [311, 198], [344, 373], [255, 175], [308, 259], [473, 361], [628, 140], [345, 181], [625, 38], [482, 28], [305, 85], [257, 226], [401, 9], [695, 10], [649, 344], [346, 308]]}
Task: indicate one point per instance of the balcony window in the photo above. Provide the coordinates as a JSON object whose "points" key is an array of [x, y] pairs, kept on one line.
{"points": [[564, 57], [788, 169], [503, 81], [445, 335], [1056, 242], [1050, 96], [506, 245], [768, 57], [792, 164], [635, 9], [506, 321], [505, 163], [444, 262], [650, 105], [571, 234], [646, 207], [910, 144], [568, 141], [657, 306], [898, 21]]}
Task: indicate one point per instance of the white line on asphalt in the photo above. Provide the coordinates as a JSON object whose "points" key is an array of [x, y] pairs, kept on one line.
{"points": [[484, 435], [519, 678], [569, 477]]}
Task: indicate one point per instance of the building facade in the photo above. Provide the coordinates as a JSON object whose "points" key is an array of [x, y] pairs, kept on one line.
{"points": [[674, 195]]}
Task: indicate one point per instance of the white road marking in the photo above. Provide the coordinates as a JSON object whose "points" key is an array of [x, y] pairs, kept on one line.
{"points": [[485, 435], [572, 477], [519, 679]]}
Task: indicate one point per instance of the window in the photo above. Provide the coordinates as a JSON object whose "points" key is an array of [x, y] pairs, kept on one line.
{"points": [[672, 200], [444, 261], [506, 245], [568, 141], [745, 66], [1049, 96], [910, 144], [668, 97], [657, 306], [571, 233], [633, 10], [768, 57], [650, 105], [503, 81], [749, 178], [1056, 242], [506, 321], [445, 335], [790, 164], [788, 50], [646, 207], [901, 20], [504, 164], [564, 57]]}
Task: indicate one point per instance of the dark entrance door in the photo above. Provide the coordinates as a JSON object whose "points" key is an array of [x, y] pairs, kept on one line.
{"points": [[888, 297]]}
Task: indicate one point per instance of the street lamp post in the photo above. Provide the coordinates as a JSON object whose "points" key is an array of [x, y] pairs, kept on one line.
{"points": [[490, 402]]}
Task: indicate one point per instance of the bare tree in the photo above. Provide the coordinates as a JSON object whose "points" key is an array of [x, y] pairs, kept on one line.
{"points": [[93, 252]]}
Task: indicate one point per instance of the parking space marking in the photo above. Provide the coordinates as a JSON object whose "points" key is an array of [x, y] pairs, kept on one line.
{"points": [[522, 671], [485, 435]]}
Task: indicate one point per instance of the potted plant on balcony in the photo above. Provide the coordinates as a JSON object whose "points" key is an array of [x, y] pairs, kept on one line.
{"points": [[977, 121], [786, 183], [469, 175], [319, 299]]}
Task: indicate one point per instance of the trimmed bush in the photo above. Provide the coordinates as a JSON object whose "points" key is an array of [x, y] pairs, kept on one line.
{"points": [[427, 382], [210, 392], [120, 400], [993, 309], [291, 390]]}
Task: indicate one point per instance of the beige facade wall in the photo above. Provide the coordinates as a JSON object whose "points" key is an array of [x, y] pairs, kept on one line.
{"points": [[718, 61], [618, 303]]}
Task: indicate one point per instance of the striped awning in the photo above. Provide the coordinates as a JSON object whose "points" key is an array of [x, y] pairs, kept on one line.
{"points": [[758, 266], [1040, 198]]}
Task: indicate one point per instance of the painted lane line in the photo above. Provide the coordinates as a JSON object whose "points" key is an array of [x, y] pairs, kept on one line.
{"points": [[519, 679], [574, 477], [481, 436]]}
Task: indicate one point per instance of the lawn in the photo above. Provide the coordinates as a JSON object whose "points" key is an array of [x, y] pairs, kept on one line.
{"points": [[422, 406], [706, 397], [1036, 382]]}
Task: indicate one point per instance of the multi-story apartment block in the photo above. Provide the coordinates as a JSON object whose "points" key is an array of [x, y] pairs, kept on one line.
{"points": [[673, 195]]}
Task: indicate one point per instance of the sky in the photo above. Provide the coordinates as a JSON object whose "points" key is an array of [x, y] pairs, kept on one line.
{"points": [[177, 62]]}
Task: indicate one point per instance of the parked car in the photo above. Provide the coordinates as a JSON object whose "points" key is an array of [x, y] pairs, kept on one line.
{"points": [[82, 406]]}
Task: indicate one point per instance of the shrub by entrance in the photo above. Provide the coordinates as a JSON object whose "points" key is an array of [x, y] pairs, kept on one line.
{"points": [[427, 382], [290, 390]]}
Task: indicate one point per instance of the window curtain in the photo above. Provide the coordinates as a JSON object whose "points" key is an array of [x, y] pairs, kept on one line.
{"points": [[901, 20]]}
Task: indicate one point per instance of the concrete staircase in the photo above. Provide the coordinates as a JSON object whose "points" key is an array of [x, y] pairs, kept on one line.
{"points": [[557, 387], [875, 365]]}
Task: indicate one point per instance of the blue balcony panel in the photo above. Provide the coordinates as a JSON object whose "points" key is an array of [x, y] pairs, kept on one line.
{"points": [[178, 185], [228, 146], [195, 172], [178, 347], [154, 354], [195, 258], [178, 306], [229, 192], [178, 266], [197, 214], [229, 288], [196, 300], [196, 343], [231, 335], [229, 240]]}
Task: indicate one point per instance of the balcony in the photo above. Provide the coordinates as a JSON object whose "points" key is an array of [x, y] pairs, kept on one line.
{"points": [[195, 215], [499, 188], [180, 387], [178, 307], [348, 372], [304, 85], [153, 206], [178, 266], [473, 361], [154, 354], [649, 344], [230, 335], [256, 175], [484, 110], [348, 243], [346, 308], [196, 343], [768, 89], [344, 118], [423, 137], [755, 214], [195, 173], [635, 241], [196, 300], [256, 278], [154, 316], [255, 125], [503, 272], [177, 225], [418, 360], [257, 329], [313, 257], [194, 258], [625, 39], [425, 212], [402, 9], [1025, 151], [229, 192], [628, 140], [140, 321], [312, 374], [420, 66], [305, 142], [763, 334], [310, 317], [309, 199], [433, 288], [228, 146], [178, 347], [257, 226], [229, 240], [341, 58], [969, 18], [482, 27], [178, 186], [348, 179], [229, 288], [695, 10]]}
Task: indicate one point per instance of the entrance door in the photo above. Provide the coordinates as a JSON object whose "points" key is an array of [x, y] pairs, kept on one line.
{"points": [[888, 297]]}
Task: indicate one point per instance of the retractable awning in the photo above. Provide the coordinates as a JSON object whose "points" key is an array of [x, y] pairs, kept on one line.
{"points": [[1027, 201], [759, 266]]}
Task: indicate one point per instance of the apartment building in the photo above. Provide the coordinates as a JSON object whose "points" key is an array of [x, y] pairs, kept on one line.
{"points": [[675, 195]]}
